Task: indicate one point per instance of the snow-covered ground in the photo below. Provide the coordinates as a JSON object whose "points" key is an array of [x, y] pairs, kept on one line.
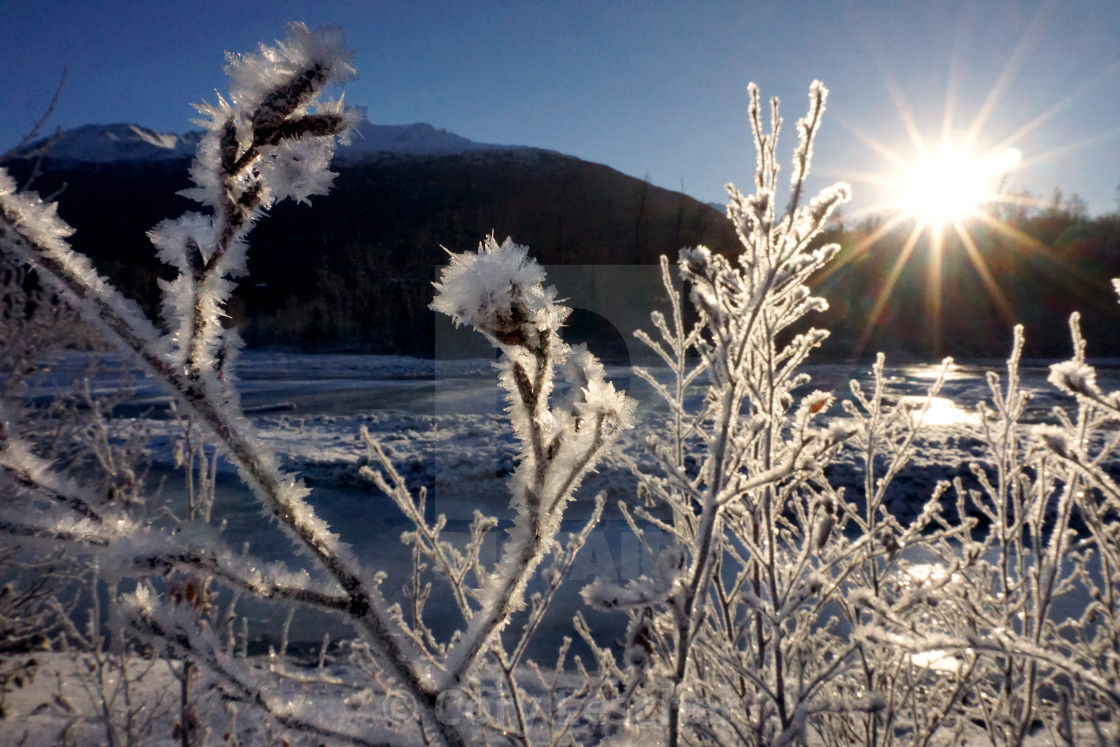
{"points": [[61, 707], [441, 422]]}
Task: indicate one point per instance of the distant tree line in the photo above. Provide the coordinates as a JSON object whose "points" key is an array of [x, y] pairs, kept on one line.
{"points": [[362, 280], [1031, 263]]}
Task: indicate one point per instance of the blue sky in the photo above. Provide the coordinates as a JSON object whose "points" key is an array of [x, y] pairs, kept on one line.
{"points": [[649, 88]]}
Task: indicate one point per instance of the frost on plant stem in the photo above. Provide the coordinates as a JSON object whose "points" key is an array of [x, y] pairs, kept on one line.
{"points": [[760, 458], [824, 619], [1074, 378], [272, 140], [499, 291], [269, 141]]}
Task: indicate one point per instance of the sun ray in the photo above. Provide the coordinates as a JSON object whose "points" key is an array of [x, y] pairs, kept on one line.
{"points": [[860, 248], [1003, 308], [1013, 233], [933, 287], [1057, 108], [1003, 80], [866, 177], [888, 286], [1064, 150], [950, 182], [955, 63], [879, 147], [1072, 277]]}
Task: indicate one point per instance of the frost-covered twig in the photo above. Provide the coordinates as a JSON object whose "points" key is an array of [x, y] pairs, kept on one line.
{"points": [[756, 454], [272, 140], [500, 292]]}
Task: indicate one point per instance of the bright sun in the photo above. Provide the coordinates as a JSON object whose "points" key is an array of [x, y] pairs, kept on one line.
{"points": [[948, 185], [935, 192]]}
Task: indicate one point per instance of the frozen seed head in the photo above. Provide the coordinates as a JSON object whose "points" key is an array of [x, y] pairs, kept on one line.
{"points": [[841, 431], [1054, 439], [817, 401], [499, 291], [279, 79], [1073, 377]]}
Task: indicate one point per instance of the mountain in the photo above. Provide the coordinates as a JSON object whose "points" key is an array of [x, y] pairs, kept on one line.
{"points": [[355, 271], [129, 142], [368, 139], [116, 143]]}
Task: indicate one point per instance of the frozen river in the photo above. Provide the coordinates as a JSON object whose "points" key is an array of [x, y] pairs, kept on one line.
{"points": [[442, 424]]}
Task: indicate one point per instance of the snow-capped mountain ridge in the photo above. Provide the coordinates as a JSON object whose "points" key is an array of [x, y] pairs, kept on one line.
{"points": [[419, 138], [130, 142], [117, 142]]}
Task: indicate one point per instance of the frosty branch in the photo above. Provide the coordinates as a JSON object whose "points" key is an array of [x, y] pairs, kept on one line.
{"points": [[271, 141], [809, 609]]}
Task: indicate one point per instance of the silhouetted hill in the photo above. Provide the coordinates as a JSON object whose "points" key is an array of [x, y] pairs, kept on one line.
{"points": [[354, 271]]}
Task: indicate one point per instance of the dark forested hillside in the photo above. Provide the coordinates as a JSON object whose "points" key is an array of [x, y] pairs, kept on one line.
{"points": [[356, 271]]}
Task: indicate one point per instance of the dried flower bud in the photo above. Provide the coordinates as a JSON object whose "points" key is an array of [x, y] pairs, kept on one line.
{"points": [[499, 291], [1074, 378], [1054, 439]]}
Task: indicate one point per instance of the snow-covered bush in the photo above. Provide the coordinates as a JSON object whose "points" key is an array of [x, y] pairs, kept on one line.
{"points": [[784, 610], [788, 610], [273, 140]]}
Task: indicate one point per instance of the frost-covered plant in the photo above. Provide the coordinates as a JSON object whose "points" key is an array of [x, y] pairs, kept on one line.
{"points": [[730, 615], [272, 140], [45, 587], [1048, 537], [109, 671], [784, 609], [500, 292], [33, 326]]}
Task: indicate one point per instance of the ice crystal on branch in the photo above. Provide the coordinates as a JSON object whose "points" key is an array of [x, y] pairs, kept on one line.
{"points": [[751, 518], [31, 214], [279, 80], [273, 114], [1074, 377], [499, 291], [273, 140]]}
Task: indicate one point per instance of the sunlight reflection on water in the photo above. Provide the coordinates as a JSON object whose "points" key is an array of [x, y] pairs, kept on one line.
{"points": [[920, 573], [942, 412], [931, 372]]}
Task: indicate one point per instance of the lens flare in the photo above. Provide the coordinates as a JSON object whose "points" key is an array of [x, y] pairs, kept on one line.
{"points": [[950, 185]]}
